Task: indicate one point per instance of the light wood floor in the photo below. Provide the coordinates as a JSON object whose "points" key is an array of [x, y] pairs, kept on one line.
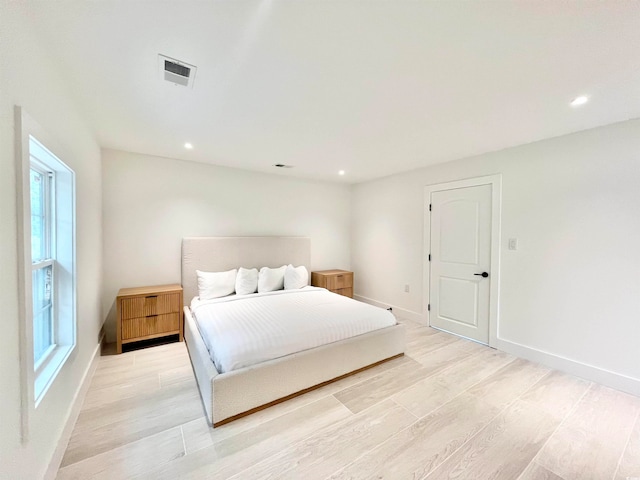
{"points": [[448, 409]]}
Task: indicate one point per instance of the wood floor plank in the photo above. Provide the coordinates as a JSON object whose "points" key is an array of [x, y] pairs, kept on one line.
{"points": [[630, 462], [429, 344], [123, 410], [509, 382], [166, 355], [100, 397], [412, 325], [429, 394], [536, 472], [504, 448], [471, 346], [417, 450], [326, 451], [128, 460], [113, 377], [363, 395], [182, 374], [444, 356], [415, 337], [592, 438], [115, 362], [557, 392], [118, 423], [234, 454]]}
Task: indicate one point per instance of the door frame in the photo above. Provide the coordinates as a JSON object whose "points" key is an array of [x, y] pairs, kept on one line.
{"points": [[496, 207]]}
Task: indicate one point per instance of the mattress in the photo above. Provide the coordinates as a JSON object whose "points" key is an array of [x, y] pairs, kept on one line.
{"points": [[244, 330]]}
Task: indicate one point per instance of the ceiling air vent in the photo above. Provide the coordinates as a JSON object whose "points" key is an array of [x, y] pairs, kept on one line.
{"points": [[176, 71]]}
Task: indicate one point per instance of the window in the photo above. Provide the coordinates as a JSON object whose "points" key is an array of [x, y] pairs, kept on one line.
{"points": [[46, 224], [53, 311]]}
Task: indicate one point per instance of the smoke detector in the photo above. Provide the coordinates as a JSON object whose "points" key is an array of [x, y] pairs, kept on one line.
{"points": [[176, 71]]}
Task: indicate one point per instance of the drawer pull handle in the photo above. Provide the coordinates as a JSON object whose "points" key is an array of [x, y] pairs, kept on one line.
{"points": [[339, 276], [151, 296], [151, 316]]}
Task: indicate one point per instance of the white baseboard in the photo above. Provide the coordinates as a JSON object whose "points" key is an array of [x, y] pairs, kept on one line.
{"points": [[398, 311], [74, 411], [573, 367]]}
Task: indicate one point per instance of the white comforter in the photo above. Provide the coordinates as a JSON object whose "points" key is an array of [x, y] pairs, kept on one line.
{"points": [[242, 330]]}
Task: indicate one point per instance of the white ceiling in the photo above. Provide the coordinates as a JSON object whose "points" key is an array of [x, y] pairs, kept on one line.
{"points": [[371, 87]]}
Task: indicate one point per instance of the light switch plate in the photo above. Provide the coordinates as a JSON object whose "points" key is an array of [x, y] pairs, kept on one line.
{"points": [[513, 244]]}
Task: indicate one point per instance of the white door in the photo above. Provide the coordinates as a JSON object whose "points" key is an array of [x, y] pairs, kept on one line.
{"points": [[460, 261]]}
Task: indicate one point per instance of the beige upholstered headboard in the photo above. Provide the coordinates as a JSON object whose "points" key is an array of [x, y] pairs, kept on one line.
{"points": [[217, 254]]}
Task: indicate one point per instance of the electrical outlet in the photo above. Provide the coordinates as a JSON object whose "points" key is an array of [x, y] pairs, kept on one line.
{"points": [[406, 288], [513, 244]]}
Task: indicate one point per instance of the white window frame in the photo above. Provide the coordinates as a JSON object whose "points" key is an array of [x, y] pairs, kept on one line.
{"points": [[35, 147]]}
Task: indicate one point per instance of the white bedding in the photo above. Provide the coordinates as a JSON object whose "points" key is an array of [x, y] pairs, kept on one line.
{"points": [[243, 330]]}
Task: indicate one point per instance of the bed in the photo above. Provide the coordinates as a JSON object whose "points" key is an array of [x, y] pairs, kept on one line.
{"points": [[240, 386]]}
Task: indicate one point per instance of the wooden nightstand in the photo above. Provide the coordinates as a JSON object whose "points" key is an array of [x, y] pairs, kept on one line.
{"points": [[148, 312], [337, 281]]}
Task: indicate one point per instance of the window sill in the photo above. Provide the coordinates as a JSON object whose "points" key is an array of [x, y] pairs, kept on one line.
{"points": [[45, 377]]}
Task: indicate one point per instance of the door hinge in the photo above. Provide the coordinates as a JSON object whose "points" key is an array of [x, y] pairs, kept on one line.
{"points": [[429, 207], [429, 257], [429, 308]]}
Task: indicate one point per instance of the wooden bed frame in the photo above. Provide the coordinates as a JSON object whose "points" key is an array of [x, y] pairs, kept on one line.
{"points": [[230, 395]]}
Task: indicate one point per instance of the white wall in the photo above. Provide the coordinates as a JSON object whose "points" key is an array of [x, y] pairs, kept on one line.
{"points": [[572, 289], [151, 203], [29, 77]]}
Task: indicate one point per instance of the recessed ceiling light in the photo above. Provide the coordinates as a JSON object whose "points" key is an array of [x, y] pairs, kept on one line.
{"points": [[188, 146], [581, 100], [341, 172]]}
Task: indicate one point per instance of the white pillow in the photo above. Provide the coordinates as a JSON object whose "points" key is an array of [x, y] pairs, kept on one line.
{"points": [[216, 284], [295, 277], [247, 281], [270, 279]]}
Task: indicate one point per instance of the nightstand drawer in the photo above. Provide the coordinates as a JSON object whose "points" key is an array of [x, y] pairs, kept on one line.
{"points": [[347, 292], [339, 281], [144, 306], [150, 326]]}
